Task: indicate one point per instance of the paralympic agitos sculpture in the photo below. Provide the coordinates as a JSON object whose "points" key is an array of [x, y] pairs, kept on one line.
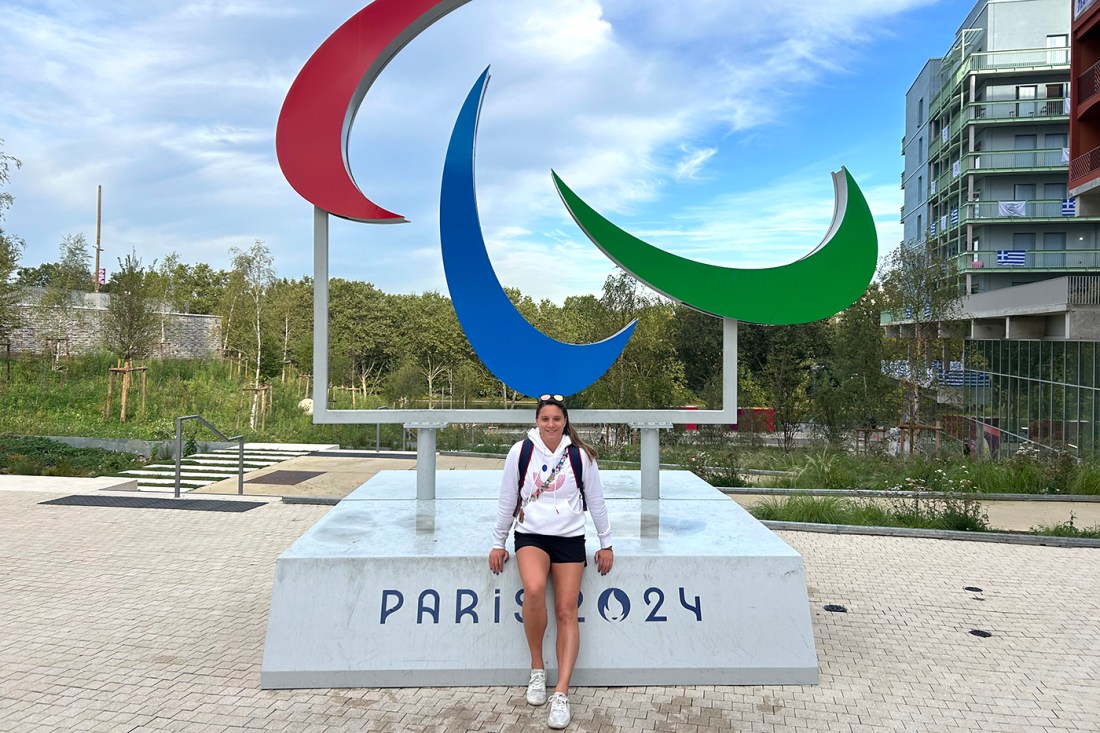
{"points": [[311, 142]]}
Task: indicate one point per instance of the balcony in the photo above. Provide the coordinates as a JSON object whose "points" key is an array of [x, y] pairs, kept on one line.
{"points": [[1022, 60], [993, 62], [1034, 260], [1031, 110], [1010, 211], [1084, 165], [1088, 84], [1005, 161]]}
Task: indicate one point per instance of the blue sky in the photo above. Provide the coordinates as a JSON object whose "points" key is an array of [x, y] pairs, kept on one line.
{"points": [[707, 127]]}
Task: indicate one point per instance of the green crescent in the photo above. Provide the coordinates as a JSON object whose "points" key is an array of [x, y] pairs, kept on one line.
{"points": [[820, 285]]}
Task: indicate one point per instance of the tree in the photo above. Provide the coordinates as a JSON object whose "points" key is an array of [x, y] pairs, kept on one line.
{"points": [[10, 249], [850, 390], [72, 276], [291, 322], [923, 293], [697, 337], [131, 324], [253, 268]]}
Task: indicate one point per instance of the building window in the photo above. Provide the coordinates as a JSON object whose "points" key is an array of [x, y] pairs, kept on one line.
{"points": [[1026, 105], [1059, 49], [1025, 142], [1023, 192], [1023, 240], [920, 150], [1054, 140], [920, 227], [920, 108], [1054, 240], [1054, 191], [920, 187]]}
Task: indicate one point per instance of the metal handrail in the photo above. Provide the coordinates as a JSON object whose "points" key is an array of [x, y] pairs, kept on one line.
{"points": [[179, 449]]}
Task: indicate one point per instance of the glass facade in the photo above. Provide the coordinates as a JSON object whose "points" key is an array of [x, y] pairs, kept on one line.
{"points": [[1038, 391]]}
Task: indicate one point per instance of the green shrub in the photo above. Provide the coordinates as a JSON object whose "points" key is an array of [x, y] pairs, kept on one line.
{"points": [[29, 456]]}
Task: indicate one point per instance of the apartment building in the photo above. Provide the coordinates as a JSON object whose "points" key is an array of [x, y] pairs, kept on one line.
{"points": [[987, 158]]}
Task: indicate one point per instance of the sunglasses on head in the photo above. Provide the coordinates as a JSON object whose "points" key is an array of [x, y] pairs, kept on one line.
{"points": [[551, 398]]}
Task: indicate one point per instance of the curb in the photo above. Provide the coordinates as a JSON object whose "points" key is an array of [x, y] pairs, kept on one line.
{"points": [[884, 494], [1009, 538]]}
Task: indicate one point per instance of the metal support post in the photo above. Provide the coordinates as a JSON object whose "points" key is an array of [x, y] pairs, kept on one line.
{"points": [[425, 458], [179, 453], [651, 458]]}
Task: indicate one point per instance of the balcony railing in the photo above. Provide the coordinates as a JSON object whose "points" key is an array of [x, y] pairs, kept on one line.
{"points": [[1088, 84], [1015, 210], [1030, 58], [1020, 109], [1033, 259], [1083, 165], [1015, 160]]}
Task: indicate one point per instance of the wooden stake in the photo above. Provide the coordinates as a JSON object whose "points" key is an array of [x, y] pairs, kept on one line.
{"points": [[125, 391]]}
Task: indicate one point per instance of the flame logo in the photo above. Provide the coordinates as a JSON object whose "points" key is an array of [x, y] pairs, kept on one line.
{"points": [[614, 605]]}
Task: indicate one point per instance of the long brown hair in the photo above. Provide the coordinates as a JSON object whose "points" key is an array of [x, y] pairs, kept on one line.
{"points": [[573, 433]]}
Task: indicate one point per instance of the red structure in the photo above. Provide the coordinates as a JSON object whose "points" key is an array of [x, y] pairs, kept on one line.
{"points": [[1084, 117]]}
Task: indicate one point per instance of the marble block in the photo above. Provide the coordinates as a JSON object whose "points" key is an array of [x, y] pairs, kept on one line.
{"points": [[385, 591]]}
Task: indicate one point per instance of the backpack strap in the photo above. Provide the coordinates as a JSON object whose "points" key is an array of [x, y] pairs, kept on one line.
{"points": [[578, 471], [525, 452]]}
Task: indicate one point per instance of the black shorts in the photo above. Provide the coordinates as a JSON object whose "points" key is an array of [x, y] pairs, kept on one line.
{"points": [[560, 549]]}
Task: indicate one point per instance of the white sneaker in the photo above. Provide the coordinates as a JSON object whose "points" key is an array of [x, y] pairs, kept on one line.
{"points": [[536, 688], [560, 715]]}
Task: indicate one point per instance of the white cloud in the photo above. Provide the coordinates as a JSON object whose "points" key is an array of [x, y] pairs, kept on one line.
{"points": [[172, 106], [693, 161]]}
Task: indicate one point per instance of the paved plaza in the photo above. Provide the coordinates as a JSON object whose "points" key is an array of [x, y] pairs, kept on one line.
{"points": [[123, 619]]}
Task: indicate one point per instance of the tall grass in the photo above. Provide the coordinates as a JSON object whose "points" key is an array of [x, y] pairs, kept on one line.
{"points": [[963, 513]]}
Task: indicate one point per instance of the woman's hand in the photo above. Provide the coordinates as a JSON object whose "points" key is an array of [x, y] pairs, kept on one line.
{"points": [[604, 560], [497, 557]]}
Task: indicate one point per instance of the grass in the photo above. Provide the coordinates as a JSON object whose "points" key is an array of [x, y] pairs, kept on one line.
{"points": [[1068, 529], [961, 513], [40, 400]]}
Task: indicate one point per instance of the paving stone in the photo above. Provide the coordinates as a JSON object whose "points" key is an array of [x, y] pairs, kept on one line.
{"points": [[127, 619]]}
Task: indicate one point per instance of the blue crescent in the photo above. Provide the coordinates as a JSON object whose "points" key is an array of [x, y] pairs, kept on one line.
{"points": [[516, 352]]}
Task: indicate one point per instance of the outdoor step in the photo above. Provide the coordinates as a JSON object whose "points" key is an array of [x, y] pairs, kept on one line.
{"points": [[300, 447], [172, 482], [266, 451], [232, 455], [227, 462], [217, 475]]}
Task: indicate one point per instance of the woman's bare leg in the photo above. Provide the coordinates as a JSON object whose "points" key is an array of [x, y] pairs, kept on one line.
{"points": [[534, 566], [567, 588]]}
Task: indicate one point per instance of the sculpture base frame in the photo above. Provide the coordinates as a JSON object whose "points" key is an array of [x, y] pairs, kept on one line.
{"points": [[389, 591]]}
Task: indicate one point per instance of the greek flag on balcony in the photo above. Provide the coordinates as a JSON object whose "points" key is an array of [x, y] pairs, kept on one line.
{"points": [[955, 216], [956, 169], [943, 134], [932, 229], [943, 222], [1069, 207], [1011, 257]]}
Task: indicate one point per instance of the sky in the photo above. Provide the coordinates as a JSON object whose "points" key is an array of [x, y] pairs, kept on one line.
{"points": [[708, 128]]}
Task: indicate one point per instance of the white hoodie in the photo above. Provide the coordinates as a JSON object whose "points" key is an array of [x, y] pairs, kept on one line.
{"points": [[558, 510]]}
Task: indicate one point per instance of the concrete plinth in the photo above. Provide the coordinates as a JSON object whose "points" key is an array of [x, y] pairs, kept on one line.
{"points": [[386, 591]]}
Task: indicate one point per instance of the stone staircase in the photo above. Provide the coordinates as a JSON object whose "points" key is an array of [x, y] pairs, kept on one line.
{"points": [[202, 469]]}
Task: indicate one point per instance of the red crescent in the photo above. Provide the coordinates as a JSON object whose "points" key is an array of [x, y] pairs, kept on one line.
{"points": [[311, 139]]}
